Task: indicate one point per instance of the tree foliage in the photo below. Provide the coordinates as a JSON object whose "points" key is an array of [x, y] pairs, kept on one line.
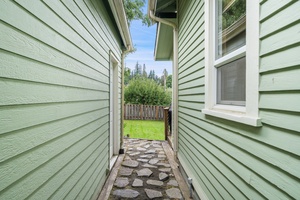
{"points": [[127, 72], [233, 12], [146, 91], [133, 10], [169, 81]]}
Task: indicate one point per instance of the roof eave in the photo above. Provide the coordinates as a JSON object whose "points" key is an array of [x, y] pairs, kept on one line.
{"points": [[119, 14], [151, 6]]}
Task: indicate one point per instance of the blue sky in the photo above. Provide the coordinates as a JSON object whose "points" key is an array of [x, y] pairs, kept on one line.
{"points": [[143, 39]]}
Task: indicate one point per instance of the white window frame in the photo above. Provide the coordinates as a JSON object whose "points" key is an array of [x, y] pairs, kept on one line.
{"points": [[247, 114]]}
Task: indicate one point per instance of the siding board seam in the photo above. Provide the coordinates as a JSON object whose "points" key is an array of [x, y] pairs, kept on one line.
{"points": [[52, 47], [277, 50], [216, 168], [240, 163], [55, 174], [51, 140], [58, 33], [280, 29], [50, 159], [53, 84], [47, 64], [185, 27], [283, 170], [192, 58], [44, 123], [197, 171], [80, 35], [276, 11]]}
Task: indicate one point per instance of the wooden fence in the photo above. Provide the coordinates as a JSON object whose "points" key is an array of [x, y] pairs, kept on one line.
{"points": [[141, 112]]}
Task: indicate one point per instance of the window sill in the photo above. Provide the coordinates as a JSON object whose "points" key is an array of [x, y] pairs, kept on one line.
{"points": [[235, 116]]}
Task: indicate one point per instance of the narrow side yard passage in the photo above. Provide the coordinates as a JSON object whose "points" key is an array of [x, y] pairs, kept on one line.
{"points": [[146, 171]]}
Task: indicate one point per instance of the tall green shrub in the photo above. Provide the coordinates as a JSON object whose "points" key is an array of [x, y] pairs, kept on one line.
{"points": [[146, 92]]}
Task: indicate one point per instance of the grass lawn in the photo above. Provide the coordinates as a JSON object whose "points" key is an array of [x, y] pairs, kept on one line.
{"points": [[144, 129]]}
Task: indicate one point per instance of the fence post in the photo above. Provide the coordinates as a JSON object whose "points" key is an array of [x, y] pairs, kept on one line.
{"points": [[166, 109], [124, 111], [141, 112]]}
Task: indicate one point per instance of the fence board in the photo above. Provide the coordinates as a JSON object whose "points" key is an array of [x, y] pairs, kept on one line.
{"points": [[143, 112]]}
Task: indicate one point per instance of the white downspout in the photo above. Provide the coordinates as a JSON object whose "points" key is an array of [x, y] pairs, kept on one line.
{"points": [[174, 79]]}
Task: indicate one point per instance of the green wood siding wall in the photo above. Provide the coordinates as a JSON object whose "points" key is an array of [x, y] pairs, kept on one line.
{"points": [[227, 159], [54, 102]]}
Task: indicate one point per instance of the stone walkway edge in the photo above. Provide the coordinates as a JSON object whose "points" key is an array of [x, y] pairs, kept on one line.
{"points": [[147, 170]]}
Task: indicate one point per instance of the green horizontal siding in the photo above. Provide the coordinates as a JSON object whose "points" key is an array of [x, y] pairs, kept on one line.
{"points": [[54, 103], [226, 159]]}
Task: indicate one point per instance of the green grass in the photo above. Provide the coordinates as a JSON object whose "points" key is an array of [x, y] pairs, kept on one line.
{"points": [[144, 129]]}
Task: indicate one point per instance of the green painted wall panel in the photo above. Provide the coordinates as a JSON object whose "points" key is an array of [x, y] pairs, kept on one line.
{"points": [[227, 159], [282, 40], [189, 26], [54, 82], [274, 61], [281, 80], [35, 72], [27, 139], [24, 45], [269, 8], [281, 19], [87, 157], [286, 101]]}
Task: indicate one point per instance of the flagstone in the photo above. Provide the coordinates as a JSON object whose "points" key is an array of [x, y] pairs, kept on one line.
{"points": [[146, 156], [141, 149], [127, 193], [149, 166], [124, 171], [174, 193], [130, 163], [144, 172], [163, 176], [142, 160], [121, 182], [165, 169], [156, 145], [153, 193], [173, 183], [134, 154], [161, 156], [153, 161], [151, 151], [154, 182], [137, 183]]}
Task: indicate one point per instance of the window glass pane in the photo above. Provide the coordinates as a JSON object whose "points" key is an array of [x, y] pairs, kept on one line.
{"points": [[231, 83], [230, 26]]}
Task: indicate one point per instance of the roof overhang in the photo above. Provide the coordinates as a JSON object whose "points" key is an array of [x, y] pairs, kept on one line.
{"points": [[164, 43], [119, 14], [165, 9]]}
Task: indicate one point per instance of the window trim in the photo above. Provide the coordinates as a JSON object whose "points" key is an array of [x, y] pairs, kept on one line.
{"points": [[243, 114]]}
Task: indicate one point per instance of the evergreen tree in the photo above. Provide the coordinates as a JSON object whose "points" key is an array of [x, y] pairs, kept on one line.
{"points": [[137, 70], [127, 75], [144, 71], [169, 81]]}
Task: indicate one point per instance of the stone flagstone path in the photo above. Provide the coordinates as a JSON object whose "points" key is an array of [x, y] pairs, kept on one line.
{"points": [[145, 173]]}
